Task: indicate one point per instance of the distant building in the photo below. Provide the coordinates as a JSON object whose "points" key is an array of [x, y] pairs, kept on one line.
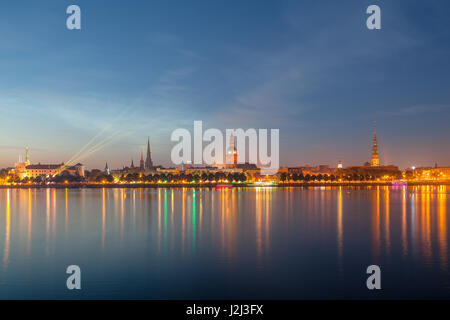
{"points": [[339, 164], [441, 173], [50, 170], [24, 169], [141, 164], [231, 155], [36, 170], [20, 167], [207, 169], [148, 160], [435, 173], [185, 166], [107, 170], [76, 170], [375, 156], [173, 171], [322, 168], [292, 170], [247, 166]]}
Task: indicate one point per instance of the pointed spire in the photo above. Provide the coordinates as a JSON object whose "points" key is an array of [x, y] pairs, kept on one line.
{"points": [[141, 163], [27, 157], [375, 156], [148, 159], [132, 163]]}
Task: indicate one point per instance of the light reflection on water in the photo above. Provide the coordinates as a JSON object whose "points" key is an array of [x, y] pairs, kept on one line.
{"points": [[225, 243]]}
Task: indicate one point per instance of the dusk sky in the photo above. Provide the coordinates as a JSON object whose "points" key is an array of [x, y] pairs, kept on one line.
{"points": [[145, 68]]}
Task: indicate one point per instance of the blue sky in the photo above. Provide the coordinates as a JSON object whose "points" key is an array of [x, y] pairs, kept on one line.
{"points": [[144, 68]]}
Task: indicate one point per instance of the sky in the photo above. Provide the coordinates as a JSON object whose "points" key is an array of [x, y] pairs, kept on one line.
{"points": [[140, 68]]}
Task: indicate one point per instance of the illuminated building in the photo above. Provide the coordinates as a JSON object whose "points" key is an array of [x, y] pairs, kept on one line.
{"points": [[173, 171], [148, 160], [49, 170], [141, 164], [107, 170], [231, 155], [339, 164], [144, 166], [20, 167], [27, 170], [432, 174], [375, 156], [440, 173]]}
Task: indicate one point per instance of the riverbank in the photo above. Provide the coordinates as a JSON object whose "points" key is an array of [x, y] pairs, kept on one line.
{"points": [[221, 185]]}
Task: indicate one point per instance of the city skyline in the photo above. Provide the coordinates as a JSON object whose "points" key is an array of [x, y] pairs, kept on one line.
{"points": [[148, 164], [235, 157], [160, 70]]}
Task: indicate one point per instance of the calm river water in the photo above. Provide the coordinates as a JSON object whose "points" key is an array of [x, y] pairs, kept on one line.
{"points": [[253, 243]]}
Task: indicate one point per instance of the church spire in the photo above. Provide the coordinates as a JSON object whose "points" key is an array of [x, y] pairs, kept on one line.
{"points": [[27, 157], [141, 163], [148, 159], [375, 156]]}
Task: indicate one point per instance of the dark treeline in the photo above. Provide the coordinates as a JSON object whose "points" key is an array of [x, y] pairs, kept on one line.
{"points": [[162, 177], [350, 174], [97, 176]]}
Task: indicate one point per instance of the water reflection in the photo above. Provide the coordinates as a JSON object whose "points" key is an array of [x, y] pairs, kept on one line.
{"points": [[7, 229], [442, 222], [66, 220], [103, 217], [376, 239], [30, 217], [47, 221], [193, 219], [256, 229], [404, 222], [340, 243], [387, 224]]}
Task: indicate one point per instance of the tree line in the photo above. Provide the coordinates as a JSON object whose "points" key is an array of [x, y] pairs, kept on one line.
{"points": [[350, 174]]}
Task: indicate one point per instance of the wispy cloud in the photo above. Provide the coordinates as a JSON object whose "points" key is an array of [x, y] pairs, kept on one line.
{"points": [[172, 81], [164, 39], [416, 110], [190, 53], [2, 147]]}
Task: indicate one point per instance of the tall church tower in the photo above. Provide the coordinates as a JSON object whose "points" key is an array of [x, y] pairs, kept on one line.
{"points": [[141, 164], [375, 156], [27, 156], [231, 155], [148, 160]]}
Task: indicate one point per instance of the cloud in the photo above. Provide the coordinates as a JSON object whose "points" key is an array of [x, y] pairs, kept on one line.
{"points": [[416, 110], [172, 81], [3, 147], [189, 53], [311, 63], [164, 39]]}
